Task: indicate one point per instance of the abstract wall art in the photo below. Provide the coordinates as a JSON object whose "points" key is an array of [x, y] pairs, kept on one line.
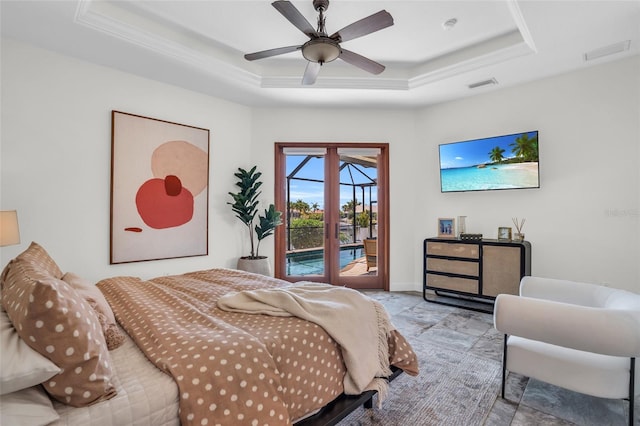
{"points": [[159, 189]]}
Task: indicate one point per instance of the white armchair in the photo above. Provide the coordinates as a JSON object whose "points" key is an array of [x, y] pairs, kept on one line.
{"points": [[578, 336]]}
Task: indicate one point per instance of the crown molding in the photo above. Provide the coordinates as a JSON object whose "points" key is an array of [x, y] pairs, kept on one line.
{"points": [[336, 83], [133, 28], [97, 18], [477, 61]]}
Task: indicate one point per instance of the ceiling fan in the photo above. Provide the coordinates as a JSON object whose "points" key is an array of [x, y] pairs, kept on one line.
{"points": [[322, 48]]}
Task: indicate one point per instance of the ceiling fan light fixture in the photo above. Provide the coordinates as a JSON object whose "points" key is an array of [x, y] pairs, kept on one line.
{"points": [[321, 50]]}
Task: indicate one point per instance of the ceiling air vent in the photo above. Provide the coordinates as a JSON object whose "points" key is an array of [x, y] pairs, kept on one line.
{"points": [[607, 50], [483, 83]]}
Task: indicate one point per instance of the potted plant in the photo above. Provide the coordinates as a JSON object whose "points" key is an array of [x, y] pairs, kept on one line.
{"points": [[245, 206]]}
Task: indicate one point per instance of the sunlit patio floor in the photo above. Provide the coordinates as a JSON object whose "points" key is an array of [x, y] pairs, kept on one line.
{"points": [[357, 267]]}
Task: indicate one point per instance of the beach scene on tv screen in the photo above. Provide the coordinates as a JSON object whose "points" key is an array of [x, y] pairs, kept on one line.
{"points": [[500, 162]]}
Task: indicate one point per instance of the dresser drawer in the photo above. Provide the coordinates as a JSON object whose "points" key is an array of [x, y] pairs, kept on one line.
{"points": [[474, 270], [452, 283], [453, 266], [468, 251]]}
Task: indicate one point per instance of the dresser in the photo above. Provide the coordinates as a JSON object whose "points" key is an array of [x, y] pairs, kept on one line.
{"points": [[473, 270]]}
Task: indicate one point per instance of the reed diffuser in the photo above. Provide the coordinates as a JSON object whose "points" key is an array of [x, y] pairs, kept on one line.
{"points": [[518, 235]]}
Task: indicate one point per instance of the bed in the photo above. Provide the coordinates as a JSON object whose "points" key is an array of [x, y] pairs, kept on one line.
{"points": [[163, 352]]}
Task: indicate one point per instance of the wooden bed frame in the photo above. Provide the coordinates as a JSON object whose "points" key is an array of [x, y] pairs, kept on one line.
{"points": [[342, 406]]}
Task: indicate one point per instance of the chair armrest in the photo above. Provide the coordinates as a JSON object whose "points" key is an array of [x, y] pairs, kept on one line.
{"points": [[576, 293], [604, 331]]}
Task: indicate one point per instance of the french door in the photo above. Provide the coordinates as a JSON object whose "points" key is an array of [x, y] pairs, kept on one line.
{"points": [[334, 199]]}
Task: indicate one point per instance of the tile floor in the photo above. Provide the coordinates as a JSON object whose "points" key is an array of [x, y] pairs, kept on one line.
{"points": [[528, 402]]}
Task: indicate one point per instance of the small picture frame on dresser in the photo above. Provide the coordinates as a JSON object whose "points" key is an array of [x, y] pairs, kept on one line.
{"points": [[446, 227], [504, 233]]}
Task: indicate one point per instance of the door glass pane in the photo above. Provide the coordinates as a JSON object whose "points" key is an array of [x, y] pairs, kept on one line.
{"points": [[304, 217], [358, 211]]}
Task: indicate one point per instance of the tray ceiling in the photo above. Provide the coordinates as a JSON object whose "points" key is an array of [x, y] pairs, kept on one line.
{"points": [[200, 45]]}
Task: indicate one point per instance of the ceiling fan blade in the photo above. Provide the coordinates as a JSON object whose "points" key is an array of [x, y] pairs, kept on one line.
{"points": [[368, 25], [310, 73], [289, 11], [271, 52], [361, 62]]}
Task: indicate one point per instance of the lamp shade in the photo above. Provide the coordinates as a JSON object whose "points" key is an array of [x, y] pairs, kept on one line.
{"points": [[9, 232]]}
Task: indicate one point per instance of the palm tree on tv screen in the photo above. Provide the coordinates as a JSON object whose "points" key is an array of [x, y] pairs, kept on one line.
{"points": [[525, 148], [496, 154]]}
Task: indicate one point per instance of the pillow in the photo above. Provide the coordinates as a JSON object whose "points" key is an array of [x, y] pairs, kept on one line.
{"points": [[112, 334], [57, 322], [20, 366], [28, 407], [39, 258]]}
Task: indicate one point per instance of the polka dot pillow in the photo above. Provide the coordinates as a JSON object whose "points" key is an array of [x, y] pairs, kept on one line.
{"points": [[57, 322], [37, 256], [96, 300]]}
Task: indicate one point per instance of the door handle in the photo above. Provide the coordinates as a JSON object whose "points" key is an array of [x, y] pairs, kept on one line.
{"points": [[326, 231]]}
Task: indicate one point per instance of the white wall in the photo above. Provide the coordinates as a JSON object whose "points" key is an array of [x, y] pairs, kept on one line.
{"points": [[583, 222], [56, 157]]}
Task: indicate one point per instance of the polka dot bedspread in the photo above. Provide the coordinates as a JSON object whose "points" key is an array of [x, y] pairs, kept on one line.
{"points": [[230, 368]]}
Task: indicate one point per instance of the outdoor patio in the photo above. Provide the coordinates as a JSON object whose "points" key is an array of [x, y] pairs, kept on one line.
{"points": [[358, 267]]}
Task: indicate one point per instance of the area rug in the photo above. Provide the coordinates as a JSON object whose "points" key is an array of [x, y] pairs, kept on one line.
{"points": [[577, 408], [453, 388]]}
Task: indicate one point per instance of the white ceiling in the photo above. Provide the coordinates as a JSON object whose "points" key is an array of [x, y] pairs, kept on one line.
{"points": [[200, 45]]}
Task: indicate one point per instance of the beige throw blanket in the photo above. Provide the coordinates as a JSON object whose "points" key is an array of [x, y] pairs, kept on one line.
{"points": [[359, 324]]}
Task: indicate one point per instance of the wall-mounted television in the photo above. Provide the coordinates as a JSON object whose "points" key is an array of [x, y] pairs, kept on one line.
{"points": [[499, 162]]}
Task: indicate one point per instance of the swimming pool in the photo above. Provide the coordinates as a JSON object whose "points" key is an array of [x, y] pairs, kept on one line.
{"points": [[312, 262]]}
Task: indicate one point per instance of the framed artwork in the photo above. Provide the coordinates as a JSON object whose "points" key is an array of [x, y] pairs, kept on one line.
{"points": [[504, 233], [159, 189], [446, 227]]}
